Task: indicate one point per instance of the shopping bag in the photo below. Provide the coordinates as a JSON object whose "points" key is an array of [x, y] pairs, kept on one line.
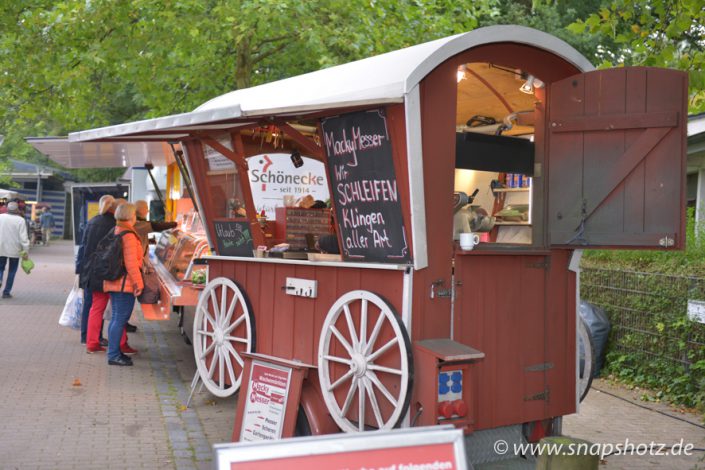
{"points": [[150, 293], [27, 265], [71, 315]]}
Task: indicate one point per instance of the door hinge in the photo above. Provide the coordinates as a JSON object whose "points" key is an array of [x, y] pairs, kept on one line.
{"points": [[666, 242], [539, 367], [539, 396]]}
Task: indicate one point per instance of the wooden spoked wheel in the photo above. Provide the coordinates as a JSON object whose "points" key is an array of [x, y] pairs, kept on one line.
{"points": [[364, 363], [223, 328]]}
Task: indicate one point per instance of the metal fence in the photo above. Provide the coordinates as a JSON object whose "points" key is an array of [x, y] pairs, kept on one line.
{"points": [[648, 313]]}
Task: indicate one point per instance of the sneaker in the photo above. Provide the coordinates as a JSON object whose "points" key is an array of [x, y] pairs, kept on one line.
{"points": [[128, 350], [104, 342], [120, 361], [6, 296], [130, 327], [96, 350]]}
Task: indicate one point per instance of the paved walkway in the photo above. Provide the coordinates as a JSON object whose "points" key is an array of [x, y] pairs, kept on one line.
{"points": [[65, 409]]}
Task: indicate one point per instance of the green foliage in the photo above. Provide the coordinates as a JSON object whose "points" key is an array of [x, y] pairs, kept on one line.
{"points": [[659, 33], [645, 293], [690, 262]]}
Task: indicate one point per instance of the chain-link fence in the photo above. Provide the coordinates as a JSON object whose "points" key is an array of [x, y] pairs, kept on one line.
{"points": [[648, 313]]}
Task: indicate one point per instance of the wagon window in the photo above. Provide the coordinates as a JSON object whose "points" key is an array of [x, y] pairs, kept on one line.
{"points": [[495, 156], [224, 188]]}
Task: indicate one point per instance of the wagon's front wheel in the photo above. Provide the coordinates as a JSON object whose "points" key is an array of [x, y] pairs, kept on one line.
{"points": [[364, 363], [223, 328]]}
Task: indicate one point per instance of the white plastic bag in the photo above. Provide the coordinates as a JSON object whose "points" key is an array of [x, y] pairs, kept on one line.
{"points": [[71, 315]]}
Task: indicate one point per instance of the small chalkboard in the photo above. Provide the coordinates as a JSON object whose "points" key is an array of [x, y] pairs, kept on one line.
{"points": [[367, 198], [233, 237]]}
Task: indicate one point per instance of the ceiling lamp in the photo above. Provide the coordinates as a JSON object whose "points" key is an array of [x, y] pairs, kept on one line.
{"points": [[531, 83]]}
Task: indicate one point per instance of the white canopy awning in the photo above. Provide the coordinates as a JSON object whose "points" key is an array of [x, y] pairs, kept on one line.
{"points": [[385, 78], [102, 154]]}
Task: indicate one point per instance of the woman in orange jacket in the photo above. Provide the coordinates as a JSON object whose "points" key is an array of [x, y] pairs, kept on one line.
{"points": [[124, 289]]}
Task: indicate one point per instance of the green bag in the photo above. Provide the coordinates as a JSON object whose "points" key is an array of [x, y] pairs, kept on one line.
{"points": [[27, 265]]}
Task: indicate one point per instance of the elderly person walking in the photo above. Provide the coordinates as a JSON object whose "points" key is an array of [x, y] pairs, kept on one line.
{"points": [[14, 244], [46, 220], [94, 299], [124, 289]]}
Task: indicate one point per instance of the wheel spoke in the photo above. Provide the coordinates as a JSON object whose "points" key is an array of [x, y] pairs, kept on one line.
{"points": [[231, 372], [360, 406], [210, 334], [235, 324], [363, 325], [214, 302], [351, 327], [207, 316], [375, 333], [342, 340], [211, 369], [388, 370], [223, 300], [207, 350], [221, 370], [349, 398], [375, 405], [342, 379], [381, 350], [337, 359], [235, 354], [375, 380], [231, 309], [237, 339]]}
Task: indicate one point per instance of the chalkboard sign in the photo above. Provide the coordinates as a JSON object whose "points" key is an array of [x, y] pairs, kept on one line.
{"points": [[365, 188], [233, 237]]}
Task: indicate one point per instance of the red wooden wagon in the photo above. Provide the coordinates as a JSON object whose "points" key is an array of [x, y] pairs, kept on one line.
{"points": [[407, 328]]}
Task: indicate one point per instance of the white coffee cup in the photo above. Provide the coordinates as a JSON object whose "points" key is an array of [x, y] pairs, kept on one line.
{"points": [[468, 240]]}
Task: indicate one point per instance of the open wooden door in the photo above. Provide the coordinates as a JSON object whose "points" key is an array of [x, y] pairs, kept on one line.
{"points": [[617, 159]]}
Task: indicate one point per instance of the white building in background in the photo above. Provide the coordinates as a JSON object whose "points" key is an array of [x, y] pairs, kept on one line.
{"points": [[696, 168]]}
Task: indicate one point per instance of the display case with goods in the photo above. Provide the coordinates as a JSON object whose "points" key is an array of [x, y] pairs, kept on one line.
{"points": [[295, 223]]}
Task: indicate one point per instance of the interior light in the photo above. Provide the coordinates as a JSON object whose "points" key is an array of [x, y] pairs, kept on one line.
{"points": [[462, 69], [528, 86]]}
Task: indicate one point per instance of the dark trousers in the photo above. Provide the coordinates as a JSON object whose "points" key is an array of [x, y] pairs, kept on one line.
{"points": [[14, 262]]}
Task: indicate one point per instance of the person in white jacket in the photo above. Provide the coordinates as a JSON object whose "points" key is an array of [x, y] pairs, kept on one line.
{"points": [[14, 244]]}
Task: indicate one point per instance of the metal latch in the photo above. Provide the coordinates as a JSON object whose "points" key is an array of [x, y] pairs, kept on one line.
{"points": [[539, 396], [539, 367], [436, 291], [545, 264]]}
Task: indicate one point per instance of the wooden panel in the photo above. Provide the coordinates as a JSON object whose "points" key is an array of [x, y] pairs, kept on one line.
{"points": [[289, 326], [560, 335], [522, 316], [438, 103], [626, 185]]}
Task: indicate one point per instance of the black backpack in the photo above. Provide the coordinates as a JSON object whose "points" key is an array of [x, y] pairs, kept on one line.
{"points": [[106, 263]]}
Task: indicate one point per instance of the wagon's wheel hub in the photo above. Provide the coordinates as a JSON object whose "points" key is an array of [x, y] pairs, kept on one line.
{"points": [[359, 365]]}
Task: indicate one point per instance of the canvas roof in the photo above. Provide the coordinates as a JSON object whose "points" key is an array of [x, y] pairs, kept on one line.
{"points": [[380, 79]]}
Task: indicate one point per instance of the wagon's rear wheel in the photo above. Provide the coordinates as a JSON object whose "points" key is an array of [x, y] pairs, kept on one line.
{"points": [[223, 328], [364, 363]]}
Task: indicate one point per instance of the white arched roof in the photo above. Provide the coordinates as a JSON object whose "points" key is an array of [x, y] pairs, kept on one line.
{"points": [[380, 79]]}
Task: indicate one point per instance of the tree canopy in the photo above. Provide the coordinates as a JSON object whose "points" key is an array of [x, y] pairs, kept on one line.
{"points": [[67, 65]]}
